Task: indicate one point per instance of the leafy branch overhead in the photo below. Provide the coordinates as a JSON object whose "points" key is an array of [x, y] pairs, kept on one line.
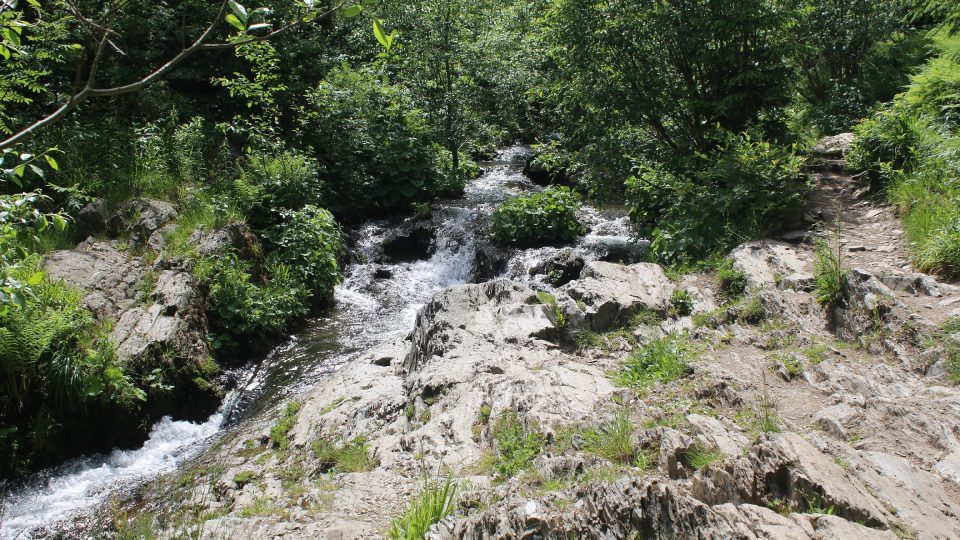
{"points": [[253, 25]]}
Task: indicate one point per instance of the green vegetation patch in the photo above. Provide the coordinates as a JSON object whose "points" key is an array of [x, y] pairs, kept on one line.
{"points": [[664, 360], [546, 217], [516, 444], [280, 432], [346, 457]]}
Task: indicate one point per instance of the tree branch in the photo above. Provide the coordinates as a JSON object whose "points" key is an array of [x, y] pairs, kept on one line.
{"points": [[90, 90]]}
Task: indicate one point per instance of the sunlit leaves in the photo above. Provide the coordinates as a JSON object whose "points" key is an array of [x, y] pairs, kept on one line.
{"points": [[383, 37], [247, 21]]}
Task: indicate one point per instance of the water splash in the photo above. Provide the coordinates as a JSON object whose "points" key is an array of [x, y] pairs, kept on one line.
{"points": [[84, 483]]}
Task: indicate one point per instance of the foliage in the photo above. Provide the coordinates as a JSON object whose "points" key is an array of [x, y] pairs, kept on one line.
{"points": [[613, 440], [347, 457], [733, 282], [516, 444], [242, 308], [661, 361], [681, 303], [58, 372], [280, 432], [371, 144], [434, 502], [829, 273], [542, 218], [726, 65], [702, 456], [309, 243], [746, 186]]}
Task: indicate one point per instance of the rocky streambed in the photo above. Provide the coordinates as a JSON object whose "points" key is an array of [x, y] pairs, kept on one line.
{"points": [[783, 421]]}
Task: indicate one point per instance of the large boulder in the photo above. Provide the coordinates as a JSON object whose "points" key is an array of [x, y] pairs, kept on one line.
{"points": [[109, 278], [768, 263], [140, 218], [834, 146], [609, 293]]}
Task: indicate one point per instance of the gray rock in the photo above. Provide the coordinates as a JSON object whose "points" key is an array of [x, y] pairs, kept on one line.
{"points": [[913, 283], [835, 146], [140, 218], [92, 219], [767, 263], [109, 278], [610, 293]]}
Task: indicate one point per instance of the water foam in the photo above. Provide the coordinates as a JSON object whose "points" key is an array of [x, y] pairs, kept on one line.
{"points": [[84, 483]]}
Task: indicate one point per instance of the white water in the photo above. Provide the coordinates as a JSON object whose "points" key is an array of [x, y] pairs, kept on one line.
{"points": [[371, 310], [86, 482]]}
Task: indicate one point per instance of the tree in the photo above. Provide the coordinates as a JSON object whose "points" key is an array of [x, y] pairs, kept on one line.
{"points": [[678, 68], [97, 26]]}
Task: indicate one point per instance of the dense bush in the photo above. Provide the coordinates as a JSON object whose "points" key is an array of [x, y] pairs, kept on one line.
{"points": [[309, 242], [244, 310], [911, 150], [269, 184], [373, 148], [745, 188], [546, 217]]}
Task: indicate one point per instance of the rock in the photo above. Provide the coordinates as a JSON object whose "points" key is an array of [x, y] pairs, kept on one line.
{"points": [[109, 278], [158, 240], [836, 418], [92, 219], [767, 263], [949, 468], [913, 283], [836, 146], [713, 434], [411, 241], [238, 238], [618, 249], [560, 268], [140, 218], [610, 293]]}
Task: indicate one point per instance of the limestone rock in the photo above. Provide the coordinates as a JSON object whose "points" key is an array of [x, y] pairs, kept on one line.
{"points": [[109, 278], [835, 146], [610, 293], [140, 218], [767, 263]]}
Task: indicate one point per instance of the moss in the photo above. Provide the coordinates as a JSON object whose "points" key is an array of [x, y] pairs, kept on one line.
{"points": [[279, 433]]}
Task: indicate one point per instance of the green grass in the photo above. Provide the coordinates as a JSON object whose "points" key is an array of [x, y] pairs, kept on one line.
{"points": [[664, 360], [280, 432], [348, 457], [681, 303], [816, 353], [702, 456], [612, 440], [829, 274], [516, 444], [435, 501], [733, 283], [243, 478]]}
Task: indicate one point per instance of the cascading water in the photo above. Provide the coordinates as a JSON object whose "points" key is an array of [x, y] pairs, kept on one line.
{"points": [[376, 303]]}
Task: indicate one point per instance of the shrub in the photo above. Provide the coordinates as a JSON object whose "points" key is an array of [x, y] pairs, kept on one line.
{"points": [[733, 282], [681, 303], [705, 204], [890, 140], [516, 444], [59, 375], [663, 360], [434, 502], [372, 146], [546, 217], [242, 309], [309, 242], [270, 184], [829, 274]]}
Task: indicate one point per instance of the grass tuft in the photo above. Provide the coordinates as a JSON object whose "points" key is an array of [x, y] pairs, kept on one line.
{"points": [[663, 360], [434, 502]]}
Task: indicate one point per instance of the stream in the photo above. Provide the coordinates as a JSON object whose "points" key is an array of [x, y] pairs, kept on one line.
{"points": [[376, 304]]}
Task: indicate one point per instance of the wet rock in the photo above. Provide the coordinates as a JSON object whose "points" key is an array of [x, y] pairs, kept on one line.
{"points": [[835, 146], [411, 241], [140, 218], [610, 293], [768, 263], [617, 249], [560, 268]]}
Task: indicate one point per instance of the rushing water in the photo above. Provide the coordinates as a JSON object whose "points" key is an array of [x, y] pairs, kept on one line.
{"points": [[376, 304]]}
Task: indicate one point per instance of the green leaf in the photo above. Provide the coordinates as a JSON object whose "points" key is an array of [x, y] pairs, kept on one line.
{"points": [[235, 22], [52, 162], [238, 10], [20, 170], [353, 11], [60, 222], [258, 26], [35, 279], [381, 35], [39, 172], [17, 298], [310, 16]]}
